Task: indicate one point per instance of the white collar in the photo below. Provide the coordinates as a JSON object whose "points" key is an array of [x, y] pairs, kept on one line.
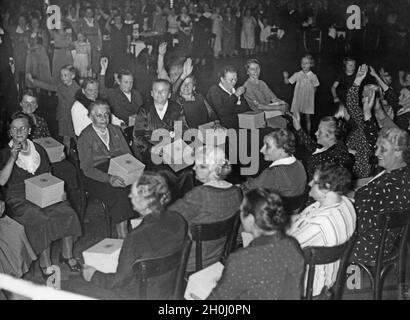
{"points": [[320, 150], [161, 113], [105, 137], [128, 95], [283, 162], [223, 88], [309, 73], [222, 184], [29, 162], [89, 23]]}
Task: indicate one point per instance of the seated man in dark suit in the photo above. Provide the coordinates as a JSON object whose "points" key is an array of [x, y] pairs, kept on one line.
{"points": [[161, 113]]}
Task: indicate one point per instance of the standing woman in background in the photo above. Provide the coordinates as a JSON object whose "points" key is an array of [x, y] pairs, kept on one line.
{"points": [[20, 36], [248, 32], [228, 34], [91, 30], [63, 45]]}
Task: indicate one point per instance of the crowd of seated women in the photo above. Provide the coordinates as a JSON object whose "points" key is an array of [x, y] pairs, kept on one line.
{"points": [[170, 203]]}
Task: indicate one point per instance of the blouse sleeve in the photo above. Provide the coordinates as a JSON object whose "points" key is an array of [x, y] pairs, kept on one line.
{"points": [[352, 105], [293, 78]]}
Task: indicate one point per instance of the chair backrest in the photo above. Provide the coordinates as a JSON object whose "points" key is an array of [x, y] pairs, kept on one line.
{"points": [[213, 231], [326, 255], [294, 204], [392, 221], [155, 267]]}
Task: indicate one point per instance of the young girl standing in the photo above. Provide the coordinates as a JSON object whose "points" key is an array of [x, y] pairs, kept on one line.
{"points": [[304, 95], [82, 56]]}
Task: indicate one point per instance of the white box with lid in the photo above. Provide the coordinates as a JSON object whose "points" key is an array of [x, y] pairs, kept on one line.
{"points": [[127, 167], [104, 255], [201, 283], [44, 190], [54, 149], [251, 120]]}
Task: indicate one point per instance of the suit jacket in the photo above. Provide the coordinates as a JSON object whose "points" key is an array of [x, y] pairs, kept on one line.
{"points": [[119, 103], [148, 120], [226, 106], [93, 152]]}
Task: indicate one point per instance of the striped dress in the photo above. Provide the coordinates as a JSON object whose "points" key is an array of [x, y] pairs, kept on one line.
{"points": [[324, 227]]}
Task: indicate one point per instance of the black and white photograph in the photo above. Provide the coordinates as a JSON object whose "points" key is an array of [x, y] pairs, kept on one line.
{"points": [[220, 151]]}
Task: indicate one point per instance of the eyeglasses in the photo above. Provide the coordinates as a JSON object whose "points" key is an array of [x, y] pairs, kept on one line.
{"points": [[16, 130], [29, 104]]}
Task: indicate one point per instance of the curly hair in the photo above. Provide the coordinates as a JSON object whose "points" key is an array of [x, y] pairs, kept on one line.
{"points": [[214, 156], [87, 81], [267, 208], [398, 138], [336, 127], [251, 61], [334, 178], [154, 188], [284, 138]]}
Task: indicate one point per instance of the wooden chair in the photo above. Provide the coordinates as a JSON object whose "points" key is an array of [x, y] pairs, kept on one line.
{"points": [[74, 158], [213, 231], [294, 205], [377, 270], [154, 267], [326, 255]]}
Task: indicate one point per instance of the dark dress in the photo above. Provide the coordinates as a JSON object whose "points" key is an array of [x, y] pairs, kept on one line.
{"points": [[336, 154], [388, 192], [271, 268], [43, 226], [158, 235], [345, 82], [195, 111], [94, 162]]}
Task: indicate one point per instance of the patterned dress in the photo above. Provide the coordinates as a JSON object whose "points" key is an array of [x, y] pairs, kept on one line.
{"points": [[389, 191], [356, 139]]}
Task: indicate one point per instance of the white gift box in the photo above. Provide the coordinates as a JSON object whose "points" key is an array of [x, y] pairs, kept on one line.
{"points": [[44, 190], [272, 114], [178, 155], [251, 120], [54, 149], [127, 167], [104, 255], [201, 283], [131, 120], [246, 239]]}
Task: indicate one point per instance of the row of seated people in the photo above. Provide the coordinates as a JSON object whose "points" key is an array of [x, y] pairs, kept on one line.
{"points": [[330, 212], [278, 147]]}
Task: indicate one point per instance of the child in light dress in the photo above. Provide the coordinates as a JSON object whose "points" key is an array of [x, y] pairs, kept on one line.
{"points": [[82, 56], [305, 89], [266, 32]]}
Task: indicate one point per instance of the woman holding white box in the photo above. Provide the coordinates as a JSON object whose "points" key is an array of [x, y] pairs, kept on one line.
{"points": [[261, 98], [22, 160], [97, 145], [161, 232]]}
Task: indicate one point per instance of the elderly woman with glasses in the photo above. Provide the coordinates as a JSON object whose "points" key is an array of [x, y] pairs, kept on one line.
{"points": [[214, 200], [388, 191], [271, 267], [161, 232], [97, 145], [23, 159]]}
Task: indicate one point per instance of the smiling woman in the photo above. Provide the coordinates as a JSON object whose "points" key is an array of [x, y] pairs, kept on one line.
{"points": [[388, 191]]}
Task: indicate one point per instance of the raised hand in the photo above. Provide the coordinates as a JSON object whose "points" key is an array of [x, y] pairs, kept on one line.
{"points": [[361, 74], [285, 74], [15, 150], [162, 49], [187, 68], [104, 63], [368, 103], [373, 72]]}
